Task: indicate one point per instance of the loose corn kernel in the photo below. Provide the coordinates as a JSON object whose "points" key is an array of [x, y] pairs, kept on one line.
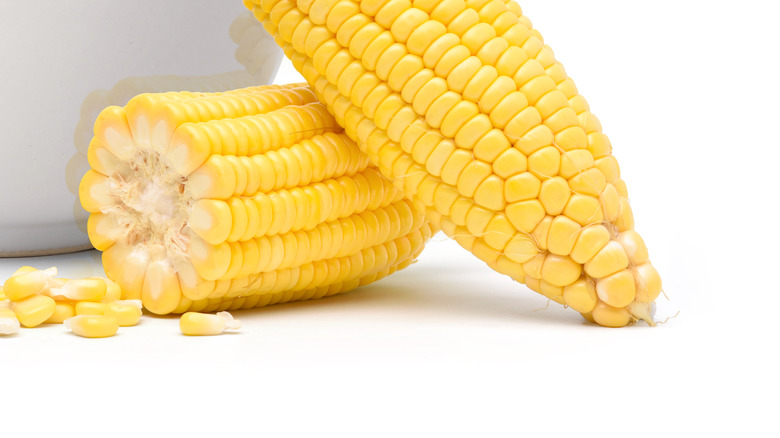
{"points": [[83, 289], [113, 291], [90, 308], [27, 282], [62, 311], [127, 313], [9, 324], [92, 326], [35, 310], [202, 324]]}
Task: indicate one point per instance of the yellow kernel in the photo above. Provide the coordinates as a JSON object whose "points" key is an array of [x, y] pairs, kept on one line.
{"points": [[560, 270], [648, 283], [27, 282], [554, 194], [202, 324], [605, 315], [617, 290], [35, 310], [562, 235], [589, 242], [127, 313], [609, 260], [522, 187], [62, 311], [90, 308], [92, 326], [84, 289], [9, 324], [580, 296]]}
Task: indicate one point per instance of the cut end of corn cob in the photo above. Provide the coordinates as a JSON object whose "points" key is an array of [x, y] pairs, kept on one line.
{"points": [[465, 108], [215, 201]]}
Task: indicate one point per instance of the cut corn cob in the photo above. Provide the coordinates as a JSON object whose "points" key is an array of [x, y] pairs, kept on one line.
{"points": [[209, 202], [461, 104]]}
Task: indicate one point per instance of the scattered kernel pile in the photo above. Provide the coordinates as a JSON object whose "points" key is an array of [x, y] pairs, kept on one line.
{"points": [[88, 307]]}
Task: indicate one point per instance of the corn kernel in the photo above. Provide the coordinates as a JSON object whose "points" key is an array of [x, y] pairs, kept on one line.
{"points": [[92, 326], [62, 311], [202, 324], [9, 324], [84, 289], [90, 308], [127, 313], [35, 310], [27, 282]]}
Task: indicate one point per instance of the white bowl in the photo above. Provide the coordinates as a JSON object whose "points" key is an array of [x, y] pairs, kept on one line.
{"points": [[63, 62]]}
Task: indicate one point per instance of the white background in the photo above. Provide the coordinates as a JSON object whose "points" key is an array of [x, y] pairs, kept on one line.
{"points": [[688, 93]]}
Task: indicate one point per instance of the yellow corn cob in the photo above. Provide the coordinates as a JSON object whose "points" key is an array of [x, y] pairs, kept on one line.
{"points": [[462, 105], [209, 202]]}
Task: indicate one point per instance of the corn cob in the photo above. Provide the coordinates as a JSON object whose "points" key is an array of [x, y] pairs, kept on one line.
{"points": [[461, 104], [210, 202]]}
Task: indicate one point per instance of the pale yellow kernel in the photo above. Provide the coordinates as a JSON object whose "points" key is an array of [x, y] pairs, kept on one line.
{"points": [[580, 296], [455, 165], [560, 270], [599, 145], [545, 162], [90, 308], [491, 146], [617, 290], [509, 163], [589, 182], [575, 161], [571, 139], [563, 235], [92, 326], [522, 123], [472, 176], [533, 267], [542, 231], [610, 203], [113, 291], [62, 311], [498, 232], [34, 310], [605, 315], [201, 324], [27, 282], [127, 313], [609, 260], [554, 194], [648, 283], [525, 215], [521, 248], [81, 289], [522, 187], [590, 241], [608, 165], [490, 193], [9, 324], [584, 209], [625, 219], [535, 139]]}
